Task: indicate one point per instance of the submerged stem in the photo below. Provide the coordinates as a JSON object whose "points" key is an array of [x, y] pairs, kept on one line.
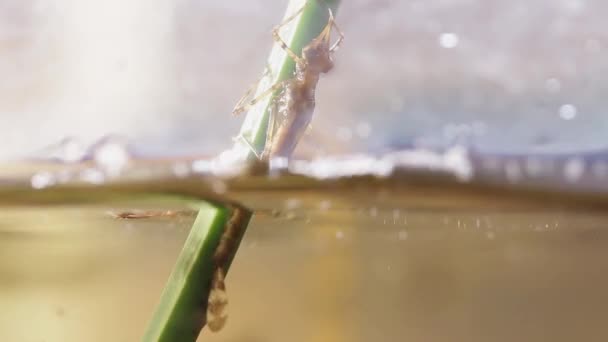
{"points": [[210, 246]]}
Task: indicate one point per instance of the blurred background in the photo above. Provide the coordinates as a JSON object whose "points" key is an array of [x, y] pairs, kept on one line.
{"points": [[499, 75]]}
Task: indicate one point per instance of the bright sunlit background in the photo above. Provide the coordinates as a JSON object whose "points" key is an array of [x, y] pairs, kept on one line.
{"points": [[496, 74]]}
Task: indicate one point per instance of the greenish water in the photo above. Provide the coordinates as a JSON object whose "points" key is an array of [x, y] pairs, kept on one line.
{"points": [[321, 267]]}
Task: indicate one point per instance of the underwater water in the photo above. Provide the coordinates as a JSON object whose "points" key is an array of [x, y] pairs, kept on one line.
{"points": [[320, 267]]}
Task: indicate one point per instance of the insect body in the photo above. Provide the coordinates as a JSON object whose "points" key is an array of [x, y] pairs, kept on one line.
{"points": [[217, 304], [144, 214], [296, 101]]}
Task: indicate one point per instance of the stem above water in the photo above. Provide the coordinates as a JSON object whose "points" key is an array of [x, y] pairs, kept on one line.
{"points": [[297, 34]]}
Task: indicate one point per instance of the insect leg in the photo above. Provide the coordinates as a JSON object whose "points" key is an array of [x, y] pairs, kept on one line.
{"points": [[242, 105], [270, 131], [245, 107], [271, 119], [281, 42], [332, 22]]}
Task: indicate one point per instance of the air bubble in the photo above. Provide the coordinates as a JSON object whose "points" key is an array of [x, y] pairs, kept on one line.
{"points": [[574, 169], [567, 111], [42, 180], [448, 40]]}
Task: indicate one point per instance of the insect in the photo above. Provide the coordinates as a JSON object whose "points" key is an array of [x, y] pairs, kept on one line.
{"points": [[296, 100], [217, 302], [141, 214]]}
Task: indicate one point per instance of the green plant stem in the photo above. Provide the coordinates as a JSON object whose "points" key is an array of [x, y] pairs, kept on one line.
{"points": [[297, 34], [181, 313]]}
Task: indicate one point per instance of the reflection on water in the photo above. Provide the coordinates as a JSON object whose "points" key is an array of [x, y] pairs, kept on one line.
{"points": [[316, 274]]}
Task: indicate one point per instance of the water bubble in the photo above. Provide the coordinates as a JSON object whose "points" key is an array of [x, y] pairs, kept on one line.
{"points": [[42, 179], [448, 40], [553, 85], [402, 235], [567, 111], [339, 235], [72, 151], [490, 235], [112, 157], [396, 214], [574, 169], [278, 163]]}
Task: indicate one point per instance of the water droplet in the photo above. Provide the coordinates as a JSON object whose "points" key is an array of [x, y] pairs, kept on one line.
{"points": [[396, 214], [42, 179], [339, 235], [553, 85], [448, 40], [278, 164], [402, 235], [456, 159], [112, 157], [574, 169], [72, 151], [490, 235], [567, 111]]}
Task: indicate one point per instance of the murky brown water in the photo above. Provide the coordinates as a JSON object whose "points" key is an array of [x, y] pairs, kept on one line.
{"points": [[332, 271]]}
